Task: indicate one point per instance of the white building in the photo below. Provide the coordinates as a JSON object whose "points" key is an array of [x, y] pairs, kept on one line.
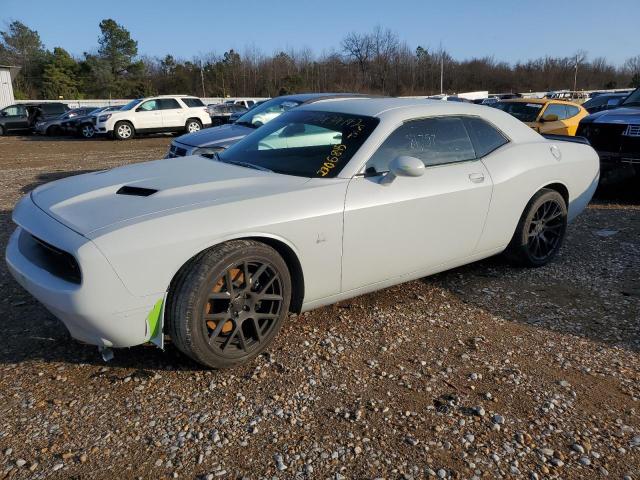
{"points": [[7, 73]]}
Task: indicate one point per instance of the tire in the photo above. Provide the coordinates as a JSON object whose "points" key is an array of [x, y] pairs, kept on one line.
{"points": [[540, 231], [53, 131], [123, 131], [193, 125], [222, 327], [86, 131]]}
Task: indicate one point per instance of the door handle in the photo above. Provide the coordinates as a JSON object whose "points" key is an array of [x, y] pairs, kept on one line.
{"points": [[476, 177]]}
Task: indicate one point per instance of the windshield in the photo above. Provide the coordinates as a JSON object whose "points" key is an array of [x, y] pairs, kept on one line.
{"points": [[303, 143], [633, 100], [131, 104], [267, 111], [525, 112]]}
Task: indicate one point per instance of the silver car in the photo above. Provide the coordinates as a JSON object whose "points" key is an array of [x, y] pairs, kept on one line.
{"points": [[212, 140]]}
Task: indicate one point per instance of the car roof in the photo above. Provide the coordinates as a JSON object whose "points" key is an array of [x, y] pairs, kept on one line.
{"points": [[373, 107], [539, 101], [316, 97], [398, 110]]}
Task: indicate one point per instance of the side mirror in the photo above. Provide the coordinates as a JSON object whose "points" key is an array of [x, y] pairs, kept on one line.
{"points": [[403, 166], [3, 114], [552, 117]]}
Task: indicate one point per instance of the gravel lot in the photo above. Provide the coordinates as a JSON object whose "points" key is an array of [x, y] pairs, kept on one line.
{"points": [[485, 371]]}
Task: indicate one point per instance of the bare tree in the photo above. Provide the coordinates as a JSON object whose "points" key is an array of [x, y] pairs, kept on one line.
{"points": [[358, 47]]}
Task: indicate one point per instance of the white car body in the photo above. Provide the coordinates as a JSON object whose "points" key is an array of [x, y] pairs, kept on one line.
{"points": [[350, 234], [146, 116]]}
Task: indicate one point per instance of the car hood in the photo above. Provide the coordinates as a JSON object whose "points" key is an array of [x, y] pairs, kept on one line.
{"points": [[90, 202], [222, 136], [623, 115]]}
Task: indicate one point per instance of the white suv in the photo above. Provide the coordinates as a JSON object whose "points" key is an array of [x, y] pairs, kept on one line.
{"points": [[165, 113]]}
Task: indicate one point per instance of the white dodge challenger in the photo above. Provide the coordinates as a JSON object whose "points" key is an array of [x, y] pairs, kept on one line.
{"points": [[323, 203]]}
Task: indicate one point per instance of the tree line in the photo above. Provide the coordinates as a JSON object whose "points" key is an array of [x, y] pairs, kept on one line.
{"points": [[371, 62]]}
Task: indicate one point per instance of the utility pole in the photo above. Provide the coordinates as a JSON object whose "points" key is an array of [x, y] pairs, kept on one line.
{"points": [[204, 95], [575, 75], [442, 73]]}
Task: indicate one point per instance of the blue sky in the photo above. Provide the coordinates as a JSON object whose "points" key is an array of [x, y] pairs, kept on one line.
{"points": [[509, 30]]}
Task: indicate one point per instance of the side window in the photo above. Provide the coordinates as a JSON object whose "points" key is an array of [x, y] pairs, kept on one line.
{"points": [[168, 104], [435, 141], [193, 102], [14, 110], [149, 106], [485, 137], [572, 111], [556, 109]]}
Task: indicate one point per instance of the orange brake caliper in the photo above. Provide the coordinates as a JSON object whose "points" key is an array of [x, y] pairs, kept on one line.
{"points": [[236, 276]]}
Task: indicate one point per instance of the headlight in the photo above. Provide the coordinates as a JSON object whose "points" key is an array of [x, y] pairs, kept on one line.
{"points": [[104, 118], [206, 151]]}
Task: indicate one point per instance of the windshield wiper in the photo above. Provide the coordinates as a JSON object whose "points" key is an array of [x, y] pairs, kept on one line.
{"points": [[242, 164]]}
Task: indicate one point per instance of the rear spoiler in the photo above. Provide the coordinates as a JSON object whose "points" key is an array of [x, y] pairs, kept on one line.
{"points": [[566, 138]]}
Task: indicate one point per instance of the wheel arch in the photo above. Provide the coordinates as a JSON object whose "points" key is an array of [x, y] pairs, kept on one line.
{"points": [[284, 249], [559, 187]]}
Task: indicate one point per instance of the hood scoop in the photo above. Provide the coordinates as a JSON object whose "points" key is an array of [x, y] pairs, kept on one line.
{"points": [[135, 191]]}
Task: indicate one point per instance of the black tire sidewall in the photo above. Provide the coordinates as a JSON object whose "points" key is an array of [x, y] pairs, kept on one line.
{"points": [[518, 249], [197, 284]]}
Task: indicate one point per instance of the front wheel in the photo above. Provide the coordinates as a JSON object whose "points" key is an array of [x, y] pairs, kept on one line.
{"points": [[87, 131], [540, 231], [193, 126], [123, 131], [227, 305], [53, 131]]}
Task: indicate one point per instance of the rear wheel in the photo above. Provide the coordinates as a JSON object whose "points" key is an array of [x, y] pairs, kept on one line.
{"points": [[540, 231], [228, 304], [193, 125], [123, 131]]}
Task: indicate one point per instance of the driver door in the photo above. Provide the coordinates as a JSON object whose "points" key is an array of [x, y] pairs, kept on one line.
{"points": [[556, 127], [148, 116], [414, 225], [15, 117]]}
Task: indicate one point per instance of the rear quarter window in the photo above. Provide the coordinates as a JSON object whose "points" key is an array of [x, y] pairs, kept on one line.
{"points": [[53, 108], [193, 102], [485, 137]]}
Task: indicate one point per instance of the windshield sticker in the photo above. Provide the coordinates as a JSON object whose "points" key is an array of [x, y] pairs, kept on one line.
{"points": [[534, 105], [332, 159]]}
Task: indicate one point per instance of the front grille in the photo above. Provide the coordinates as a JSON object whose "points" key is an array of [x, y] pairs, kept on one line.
{"points": [[176, 152], [632, 131], [52, 259]]}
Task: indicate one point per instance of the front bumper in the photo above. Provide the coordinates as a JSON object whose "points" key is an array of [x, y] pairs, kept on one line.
{"points": [[99, 310], [179, 150]]}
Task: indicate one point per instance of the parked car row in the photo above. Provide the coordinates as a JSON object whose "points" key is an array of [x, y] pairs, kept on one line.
{"points": [[164, 113], [24, 116]]}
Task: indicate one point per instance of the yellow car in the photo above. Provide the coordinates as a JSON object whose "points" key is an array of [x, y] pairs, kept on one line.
{"points": [[545, 115]]}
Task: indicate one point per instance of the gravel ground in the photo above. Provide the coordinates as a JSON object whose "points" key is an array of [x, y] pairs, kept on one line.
{"points": [[485, 371]]}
